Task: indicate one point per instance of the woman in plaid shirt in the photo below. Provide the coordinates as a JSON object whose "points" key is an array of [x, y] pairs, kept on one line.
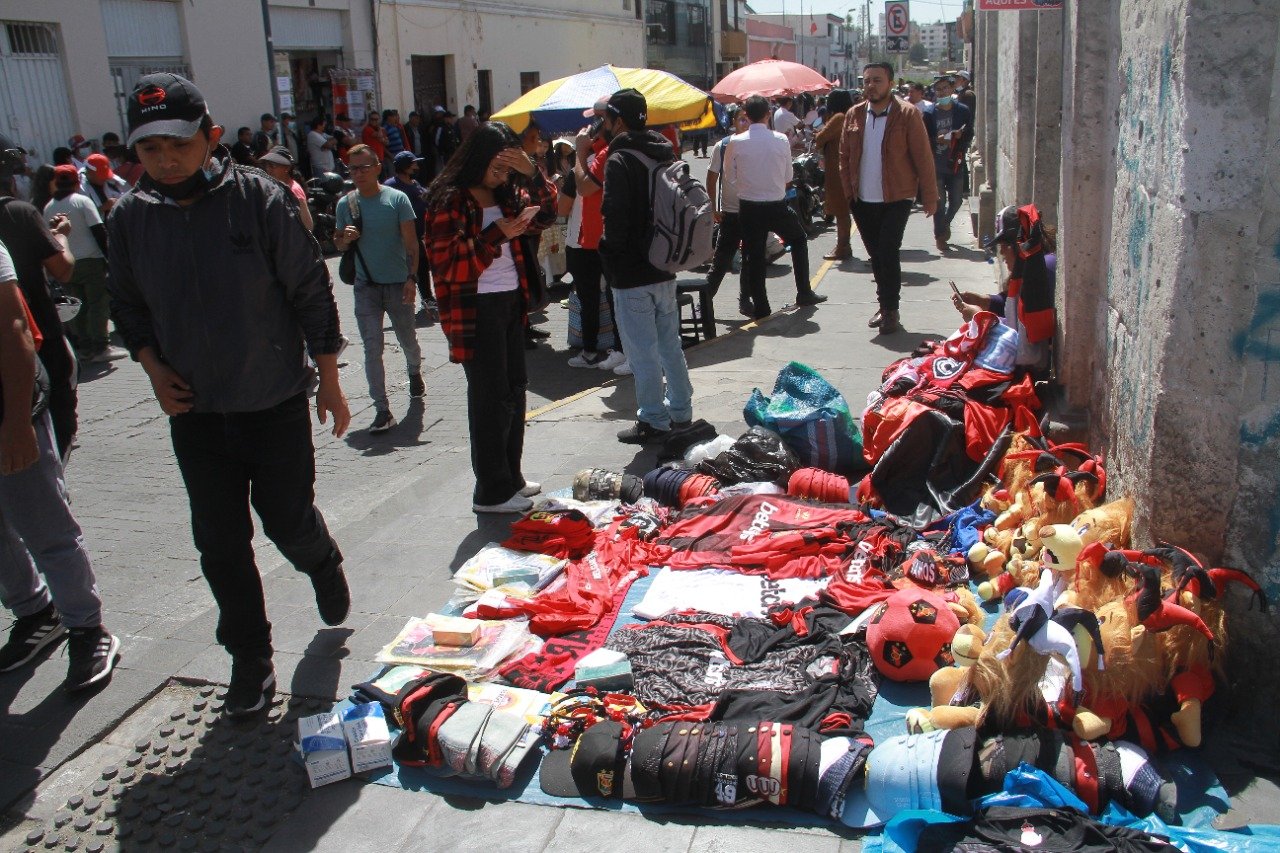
{"points": [[489, 193]]}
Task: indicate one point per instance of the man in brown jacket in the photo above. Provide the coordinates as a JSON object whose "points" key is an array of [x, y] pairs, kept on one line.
{"points": [[886, 158]]}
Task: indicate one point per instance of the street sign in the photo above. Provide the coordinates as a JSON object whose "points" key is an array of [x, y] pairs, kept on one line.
{"points": [[1017, 5], [897, 26]]}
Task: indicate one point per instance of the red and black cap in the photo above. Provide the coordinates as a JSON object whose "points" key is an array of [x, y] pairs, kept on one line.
{"points": [[164, 104], [594, 767]]}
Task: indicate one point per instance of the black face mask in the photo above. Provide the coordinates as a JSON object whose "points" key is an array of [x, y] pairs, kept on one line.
{"points": [[189, 187]]}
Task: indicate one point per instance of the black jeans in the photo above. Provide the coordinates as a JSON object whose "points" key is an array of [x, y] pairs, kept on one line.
{"points": [[730, 235], [496, 381], [230, 462], [881, 225], [758, 219], [950, 197], [584, 266]]}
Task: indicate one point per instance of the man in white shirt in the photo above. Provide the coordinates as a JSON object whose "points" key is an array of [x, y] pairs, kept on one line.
{"points": [[102, 185], [759, 164], [784, 120], [724, 198], [320, 147]]}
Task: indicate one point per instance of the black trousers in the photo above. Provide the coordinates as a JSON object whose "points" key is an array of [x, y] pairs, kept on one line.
{"points": [[881, 225], [730, 236], [584, 266], [266, 460], [496, 380], [758, 219]]}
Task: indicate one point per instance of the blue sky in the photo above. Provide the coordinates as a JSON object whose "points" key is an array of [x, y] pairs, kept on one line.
{"points": [[922, 11]]}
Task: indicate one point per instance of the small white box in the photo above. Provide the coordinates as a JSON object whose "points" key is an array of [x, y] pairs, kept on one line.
{"points": [[365, 727], [323, 749]]}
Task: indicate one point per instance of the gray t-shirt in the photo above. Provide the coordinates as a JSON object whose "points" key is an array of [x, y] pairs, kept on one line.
{"points": [[944, 121]]}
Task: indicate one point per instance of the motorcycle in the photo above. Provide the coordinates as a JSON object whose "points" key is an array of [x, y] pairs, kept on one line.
{"points": [[323, 194], [807, 193]]}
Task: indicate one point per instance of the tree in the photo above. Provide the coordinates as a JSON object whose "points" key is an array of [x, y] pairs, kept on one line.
{"points": [[917, 53]]}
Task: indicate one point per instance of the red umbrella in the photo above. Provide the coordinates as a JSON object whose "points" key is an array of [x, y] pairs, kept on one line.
{"points": [[771, 78]]}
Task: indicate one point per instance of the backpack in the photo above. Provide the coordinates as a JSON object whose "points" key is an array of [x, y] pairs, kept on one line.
{"points": [[680, 234]]}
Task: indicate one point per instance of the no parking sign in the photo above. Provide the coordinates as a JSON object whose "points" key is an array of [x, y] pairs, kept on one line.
{"points": [[897, 26]]}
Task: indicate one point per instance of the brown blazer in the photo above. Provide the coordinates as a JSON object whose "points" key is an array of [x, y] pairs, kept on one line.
{"points": [[828, 142], [907, 154]]}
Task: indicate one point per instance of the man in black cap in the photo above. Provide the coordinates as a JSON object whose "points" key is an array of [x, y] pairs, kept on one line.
{"points": [[267, 136], [648, 317], [216, 286], [405, 166]]}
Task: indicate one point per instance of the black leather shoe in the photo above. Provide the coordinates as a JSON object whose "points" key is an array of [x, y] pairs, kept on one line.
{"points": [[811, 298]]}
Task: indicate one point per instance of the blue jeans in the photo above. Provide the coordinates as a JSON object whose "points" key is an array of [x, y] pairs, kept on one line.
{"points": [[372, 302], [648, 320], [950, 197], [42, 553]]}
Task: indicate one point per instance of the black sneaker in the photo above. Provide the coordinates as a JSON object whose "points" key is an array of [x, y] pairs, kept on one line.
{"points": [[809, 297], [642, 433], [92, 653], [333, 596], [29, 635], [382, 422], [745, 308], [253, 680], [417, 388]]}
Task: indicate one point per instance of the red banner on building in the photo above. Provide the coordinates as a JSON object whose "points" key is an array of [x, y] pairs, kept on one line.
{"points": [[1017, 5]]}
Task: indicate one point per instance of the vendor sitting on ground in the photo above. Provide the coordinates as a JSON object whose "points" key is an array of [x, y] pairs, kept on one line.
{"points": [[1027, 247]]}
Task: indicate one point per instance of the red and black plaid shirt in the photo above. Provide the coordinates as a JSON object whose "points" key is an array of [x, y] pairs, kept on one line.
{"points": [[459, 248]]}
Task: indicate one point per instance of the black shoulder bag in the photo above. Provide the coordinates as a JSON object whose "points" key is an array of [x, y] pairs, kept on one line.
{"points": [[347, 266]]}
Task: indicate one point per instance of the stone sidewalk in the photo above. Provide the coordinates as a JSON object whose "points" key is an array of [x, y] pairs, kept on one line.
{"points": [[399, 506]]}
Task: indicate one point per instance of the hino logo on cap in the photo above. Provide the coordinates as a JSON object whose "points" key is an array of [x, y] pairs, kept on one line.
{"points": [[759, 522]]}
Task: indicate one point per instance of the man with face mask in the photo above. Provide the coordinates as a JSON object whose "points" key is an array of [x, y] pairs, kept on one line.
{"points": [[216, 287], [950, 126]]}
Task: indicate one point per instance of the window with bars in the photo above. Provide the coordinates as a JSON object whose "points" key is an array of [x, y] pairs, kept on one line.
{"points": [[661, 22], [697, 26], [31, 39], [530, 80]]}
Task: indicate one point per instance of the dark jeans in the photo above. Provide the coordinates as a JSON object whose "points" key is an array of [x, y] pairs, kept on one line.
{"points": [[950, 197], [758, 219], [266, 460], [881, 225], [726, 247], [496, 381], [584, 266]]}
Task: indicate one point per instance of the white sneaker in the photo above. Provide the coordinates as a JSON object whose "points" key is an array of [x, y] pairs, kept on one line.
{"points": [[530, 489], [611, 360], [515, 503], [586, 359], [623, 369]]}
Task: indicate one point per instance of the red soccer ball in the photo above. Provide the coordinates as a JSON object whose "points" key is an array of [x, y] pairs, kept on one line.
{"points": [[910, 635]]}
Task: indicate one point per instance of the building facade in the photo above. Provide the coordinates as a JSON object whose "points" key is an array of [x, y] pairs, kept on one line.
{"points": [[822, 42], [679, 38]]}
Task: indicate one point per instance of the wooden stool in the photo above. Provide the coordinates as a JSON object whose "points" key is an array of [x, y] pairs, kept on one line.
{"points": [[695, 327]]}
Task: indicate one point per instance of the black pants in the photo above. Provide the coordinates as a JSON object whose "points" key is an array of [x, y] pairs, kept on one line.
{"points": [[496, 381], [881, 225], [266, 460], [584, 266], [730, 236], [758, 219]]}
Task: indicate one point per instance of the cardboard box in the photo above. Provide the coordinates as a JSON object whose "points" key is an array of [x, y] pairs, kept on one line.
{"points": [[323, 748], [455, 631], [368, 738]]}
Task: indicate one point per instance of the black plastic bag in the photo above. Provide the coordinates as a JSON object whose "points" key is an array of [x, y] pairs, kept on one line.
{"points": [[758, 456]]}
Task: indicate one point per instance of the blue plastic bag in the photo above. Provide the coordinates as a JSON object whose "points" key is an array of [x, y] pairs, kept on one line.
{"points": [[813, 419]]}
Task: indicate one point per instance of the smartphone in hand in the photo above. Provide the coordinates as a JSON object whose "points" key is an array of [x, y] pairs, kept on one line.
{"points": [[528, 213], [954, 289]]}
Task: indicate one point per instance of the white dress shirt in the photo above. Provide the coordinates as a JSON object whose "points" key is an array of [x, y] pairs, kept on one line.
{"points": [[784, 121], [871, 170], [759, 164]]}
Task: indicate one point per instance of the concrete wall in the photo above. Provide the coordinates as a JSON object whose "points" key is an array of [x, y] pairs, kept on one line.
{"points": [[1168, 198], [554, 37]]}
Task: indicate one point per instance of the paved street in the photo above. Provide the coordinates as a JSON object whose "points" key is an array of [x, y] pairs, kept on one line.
{"points": [[399, 506]]}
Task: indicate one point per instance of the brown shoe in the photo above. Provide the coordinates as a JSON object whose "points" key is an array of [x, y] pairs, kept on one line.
{"points": [[941, 243], [876, 319], [838, 254], [890, 325]]}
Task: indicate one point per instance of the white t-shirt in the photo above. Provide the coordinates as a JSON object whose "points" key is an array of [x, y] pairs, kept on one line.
{"points": [[321, 158], [501, 275], [871, 170], [113, 187], [83, 214], [784, 121], [758, 162], [720, 591], [728, 191], [7, 272]]}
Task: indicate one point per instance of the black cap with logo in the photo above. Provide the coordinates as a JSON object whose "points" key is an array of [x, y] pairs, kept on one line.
{"points": [[630, 106], [165, 105]]}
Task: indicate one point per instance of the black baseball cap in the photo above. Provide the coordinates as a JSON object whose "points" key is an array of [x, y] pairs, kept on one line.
{"points": [[628, 105], [164, 104], [279, 155], [1008, 227], [594, 767]]}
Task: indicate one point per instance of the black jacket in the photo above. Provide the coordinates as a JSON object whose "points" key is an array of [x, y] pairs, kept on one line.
{"points": [[624, 248], [226, 289]]}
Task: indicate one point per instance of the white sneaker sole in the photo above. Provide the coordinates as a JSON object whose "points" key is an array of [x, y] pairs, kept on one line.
{"points": [[382, 429], [267, 684], [48, 639], [113, 655]]}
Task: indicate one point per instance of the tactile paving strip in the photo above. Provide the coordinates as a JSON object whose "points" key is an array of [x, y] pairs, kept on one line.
{"points": [[197, 781]]}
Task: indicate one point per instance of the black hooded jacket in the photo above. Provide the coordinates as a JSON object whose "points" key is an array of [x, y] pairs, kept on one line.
{"points": [[624, 248]]}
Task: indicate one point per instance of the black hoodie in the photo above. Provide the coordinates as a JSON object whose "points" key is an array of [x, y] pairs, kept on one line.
{"points": [[624, 248]]}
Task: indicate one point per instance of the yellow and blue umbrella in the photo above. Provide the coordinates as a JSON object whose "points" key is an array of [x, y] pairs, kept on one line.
{"points": [[558, 106]]}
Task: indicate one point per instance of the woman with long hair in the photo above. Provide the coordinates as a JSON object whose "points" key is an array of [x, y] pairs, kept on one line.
{"points": [[488, 195], [828, 143]]}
